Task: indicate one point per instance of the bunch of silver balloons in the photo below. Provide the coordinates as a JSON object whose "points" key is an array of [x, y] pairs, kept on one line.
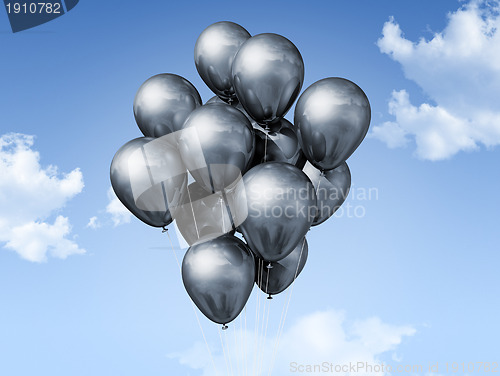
{"points": [[235, 164]]}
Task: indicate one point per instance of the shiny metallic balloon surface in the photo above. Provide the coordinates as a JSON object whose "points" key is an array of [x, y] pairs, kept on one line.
{"points": [[331, 188], [149, 178], [281, 208], [276, 279], [217, 145], [268, 73], [203, 216], [237, 105], [281, 145], [332, 117], [218, 276], [214, 53], [163, 102]]}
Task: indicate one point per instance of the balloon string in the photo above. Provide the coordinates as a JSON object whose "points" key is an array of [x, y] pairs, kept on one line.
{"points": [[246, 343], [261, 325], [258, 348], [237, 343], [277, 334], [236, 348], [263, 345], [265, 148], [261, 336], [151, 178], [280, 330], [267, 281], [241, 354], [255, 321], [194, 217], [228, 210], [319, 183], [222, 214], [228, 353], [224, 351], [263, 331], [257, 316], [194, 308], [150, 174]]}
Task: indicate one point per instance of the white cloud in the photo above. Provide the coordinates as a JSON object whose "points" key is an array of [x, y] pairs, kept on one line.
{"points": [[459, 69], [93, 223], [29, 194], [119, 213], [312, 340], [115, 212], [391, 133], [33, 240]]}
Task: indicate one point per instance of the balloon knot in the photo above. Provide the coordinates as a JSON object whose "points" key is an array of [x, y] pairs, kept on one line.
{"points": [[269, 266], [269, 297], [224, 326], [164, 229]]}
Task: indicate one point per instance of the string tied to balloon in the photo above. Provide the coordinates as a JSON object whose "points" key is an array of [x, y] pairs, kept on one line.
{"points": [[270, 265], [224, 327], [265, 143], [164, 229]]}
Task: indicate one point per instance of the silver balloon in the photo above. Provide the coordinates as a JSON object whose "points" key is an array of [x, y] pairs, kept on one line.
{"points": [[268, 73], [237, 105], [215, 99], [281, 145], [332, 117], [332, 188], [218, 276], [149, 178], [276, 279], [203, 216], [281, 207], [217, 145], [214, 53], [163, 102]]}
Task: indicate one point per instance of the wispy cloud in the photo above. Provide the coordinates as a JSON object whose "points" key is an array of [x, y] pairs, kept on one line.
{"points": [[459, 69], [118, 212], [325, 336], [93, 223], [115, 213], [29, 194]]}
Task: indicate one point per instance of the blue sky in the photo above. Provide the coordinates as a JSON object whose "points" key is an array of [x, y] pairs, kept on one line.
{"points": [[413, 280]]}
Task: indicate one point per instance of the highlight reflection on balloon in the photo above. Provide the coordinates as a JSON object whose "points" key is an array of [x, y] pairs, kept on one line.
{"points": [[149, 178], [268, 73], [218, 276], [217, 145], [332, 117], [214, 53], [163, 102], [274, 280], [281, 207]]}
